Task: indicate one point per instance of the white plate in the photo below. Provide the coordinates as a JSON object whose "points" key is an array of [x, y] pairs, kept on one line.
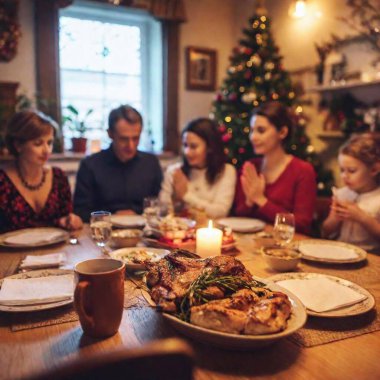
{"points": [[128, 221], [126, 255], [244, 342], [356, 309], [59, 236], [42, 306], [242, 224], [318, 250]]}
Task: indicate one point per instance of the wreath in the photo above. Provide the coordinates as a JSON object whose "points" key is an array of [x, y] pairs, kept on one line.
{"points": [[9, 29]]}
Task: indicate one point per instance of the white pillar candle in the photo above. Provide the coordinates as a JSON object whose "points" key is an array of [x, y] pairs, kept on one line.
{"points": [[209, 241]]}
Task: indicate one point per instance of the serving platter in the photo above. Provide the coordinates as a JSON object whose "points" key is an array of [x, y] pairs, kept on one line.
{"points": [[347, 311], [244, 225], [128, 254], [319, 250], [243, 342], [42, 306], [33, 237]]}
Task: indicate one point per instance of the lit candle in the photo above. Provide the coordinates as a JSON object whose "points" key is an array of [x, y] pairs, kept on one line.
{"points": [[209, 241]]}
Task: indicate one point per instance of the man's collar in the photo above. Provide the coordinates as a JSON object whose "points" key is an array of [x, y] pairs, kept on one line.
{"points": [[113, 158]]}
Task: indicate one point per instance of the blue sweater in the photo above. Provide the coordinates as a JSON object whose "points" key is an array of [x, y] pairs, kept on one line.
{"points": [[105, 183]]}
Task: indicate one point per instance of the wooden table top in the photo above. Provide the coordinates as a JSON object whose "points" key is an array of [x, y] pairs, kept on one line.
{"points": [[28, 351]]}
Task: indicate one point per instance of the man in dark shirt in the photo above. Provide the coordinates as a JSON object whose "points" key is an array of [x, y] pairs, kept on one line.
{"points": [[119, 178]]}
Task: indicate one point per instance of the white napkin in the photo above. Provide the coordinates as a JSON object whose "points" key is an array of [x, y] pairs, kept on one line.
{"points": [[322, 294], [33, 237], [323, 251], [44, 261], [37, 290]]}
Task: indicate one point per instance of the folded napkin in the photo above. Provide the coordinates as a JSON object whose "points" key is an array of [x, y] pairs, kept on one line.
{"points": [[37, 290], [323, 251], [33, 237], [45, 261], [322, 294]]}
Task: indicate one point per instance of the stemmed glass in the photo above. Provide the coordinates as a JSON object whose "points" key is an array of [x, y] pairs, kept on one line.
{"points": [[101, 228], [283, 231]]}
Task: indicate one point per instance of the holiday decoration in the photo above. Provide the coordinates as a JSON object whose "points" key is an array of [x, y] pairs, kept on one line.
{"points": [[9, 29], [256, 75]]}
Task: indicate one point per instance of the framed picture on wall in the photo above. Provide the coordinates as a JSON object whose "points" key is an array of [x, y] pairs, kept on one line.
{"points": [[200, 69]]}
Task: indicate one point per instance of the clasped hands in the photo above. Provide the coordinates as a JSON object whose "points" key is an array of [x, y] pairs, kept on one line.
{"points": [[180, 184], [345, 210], [253, 185]]}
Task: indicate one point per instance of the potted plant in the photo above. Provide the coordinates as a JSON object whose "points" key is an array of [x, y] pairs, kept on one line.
{"points": [[78, 126]]}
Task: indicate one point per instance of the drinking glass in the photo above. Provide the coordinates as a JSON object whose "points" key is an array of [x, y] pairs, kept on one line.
{"points": [[283, 231], [151, 210], [101, 228]]}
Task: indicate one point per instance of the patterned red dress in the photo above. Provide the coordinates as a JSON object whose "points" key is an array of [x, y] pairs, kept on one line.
{"points": [[16, 213]]}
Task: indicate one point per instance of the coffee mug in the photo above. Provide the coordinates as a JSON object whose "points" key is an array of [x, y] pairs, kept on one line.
{"points": [[99, 296]]}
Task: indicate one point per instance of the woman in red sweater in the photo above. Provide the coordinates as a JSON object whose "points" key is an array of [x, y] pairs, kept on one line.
{"points": [[277, 181]]}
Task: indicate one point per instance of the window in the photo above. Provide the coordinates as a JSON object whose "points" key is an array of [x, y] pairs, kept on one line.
{"points": [[110, 57]]}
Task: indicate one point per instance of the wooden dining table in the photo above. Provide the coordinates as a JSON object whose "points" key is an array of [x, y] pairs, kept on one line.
{"points": [[33, 350]]}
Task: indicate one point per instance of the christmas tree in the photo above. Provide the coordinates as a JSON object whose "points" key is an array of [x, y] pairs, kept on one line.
{"points": [[256, 75]]}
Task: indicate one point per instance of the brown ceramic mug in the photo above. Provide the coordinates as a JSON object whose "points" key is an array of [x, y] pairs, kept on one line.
{"points": [[99, 296]]}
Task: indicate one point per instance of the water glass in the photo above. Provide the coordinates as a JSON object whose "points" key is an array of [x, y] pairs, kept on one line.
{"points": [[284, 228], [101, 228], [151, 210]]}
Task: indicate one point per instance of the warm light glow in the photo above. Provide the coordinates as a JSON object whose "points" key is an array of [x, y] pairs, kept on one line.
{"points": [[210, 224], [298, 9]]}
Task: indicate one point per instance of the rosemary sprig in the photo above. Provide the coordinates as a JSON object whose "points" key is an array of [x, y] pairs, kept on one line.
{"points": [[194, 294]]}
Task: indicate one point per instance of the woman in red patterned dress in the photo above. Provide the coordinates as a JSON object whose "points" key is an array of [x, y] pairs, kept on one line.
{"points": [[31, 193]]}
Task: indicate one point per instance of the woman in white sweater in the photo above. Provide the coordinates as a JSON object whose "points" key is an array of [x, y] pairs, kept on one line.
{"points": [[203, 181]]}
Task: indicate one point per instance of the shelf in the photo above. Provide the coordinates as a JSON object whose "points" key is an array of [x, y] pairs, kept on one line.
{"points": [[338, 135], [344, 86]]}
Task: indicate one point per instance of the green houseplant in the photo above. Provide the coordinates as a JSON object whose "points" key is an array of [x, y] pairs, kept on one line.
{"points": [[78, 125]]}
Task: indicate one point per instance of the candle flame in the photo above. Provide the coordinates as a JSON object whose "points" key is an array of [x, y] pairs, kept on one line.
{"points": [[210, 224]]}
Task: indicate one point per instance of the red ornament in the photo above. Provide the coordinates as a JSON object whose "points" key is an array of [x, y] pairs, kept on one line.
{"points": [[248, 51], [222, 128], [219, 97], [241, 150], [232, 96], [226, 137]]}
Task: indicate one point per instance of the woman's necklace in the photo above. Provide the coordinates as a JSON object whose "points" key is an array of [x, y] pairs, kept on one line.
{"points": [[26, 184]]}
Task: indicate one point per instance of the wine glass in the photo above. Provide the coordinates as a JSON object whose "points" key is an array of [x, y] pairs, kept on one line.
{"points": [[101, 228], [283, 231]]}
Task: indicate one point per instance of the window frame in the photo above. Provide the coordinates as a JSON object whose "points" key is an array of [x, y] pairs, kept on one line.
{"points": [[47, 68]]}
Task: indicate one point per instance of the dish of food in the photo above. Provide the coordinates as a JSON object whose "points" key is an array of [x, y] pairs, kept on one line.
{"points": [[126, 237], [280, 258], [42, 306], [358, 308], [217, 300], [136, 258], [33, 237], [328, 251], [242, 224], [128, 221]]}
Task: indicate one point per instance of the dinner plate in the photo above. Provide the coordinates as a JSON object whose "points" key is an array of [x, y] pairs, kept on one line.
{"points": [[127, 254], [319, 250], [244, 342], [242, 224], [42, 306], [128, 221], [33, 237], [347, 311]]}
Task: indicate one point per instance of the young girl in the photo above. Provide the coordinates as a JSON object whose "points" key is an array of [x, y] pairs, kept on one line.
{"points": [[203, 181], [355, 211]]}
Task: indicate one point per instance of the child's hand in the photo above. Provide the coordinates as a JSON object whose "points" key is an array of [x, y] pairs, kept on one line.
{"points": [[349, 211]]}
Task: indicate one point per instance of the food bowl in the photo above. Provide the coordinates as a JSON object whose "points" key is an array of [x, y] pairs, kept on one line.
{"points": [[280, 258], [126, 237], [264, 239]]}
